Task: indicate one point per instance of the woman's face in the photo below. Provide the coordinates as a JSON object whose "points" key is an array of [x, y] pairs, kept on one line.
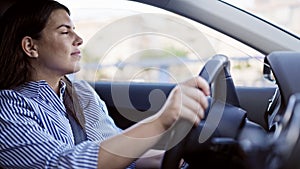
{"points": [[57, 49]]}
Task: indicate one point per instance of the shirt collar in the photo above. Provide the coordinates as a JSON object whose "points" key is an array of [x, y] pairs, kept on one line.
{"points": [[62, 89], [33, 88]]}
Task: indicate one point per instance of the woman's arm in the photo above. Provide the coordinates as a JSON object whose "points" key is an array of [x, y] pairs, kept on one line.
{"points": [[150, 160], [186, 101]]}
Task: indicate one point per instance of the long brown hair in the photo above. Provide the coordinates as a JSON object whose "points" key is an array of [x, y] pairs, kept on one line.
{"points": [[24, 18]]}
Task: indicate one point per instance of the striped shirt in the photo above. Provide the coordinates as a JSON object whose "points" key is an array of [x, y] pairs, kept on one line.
{"points": [[35, 132]]}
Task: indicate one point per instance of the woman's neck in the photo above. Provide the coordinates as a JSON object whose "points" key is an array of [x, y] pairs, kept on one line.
{"points": [[54, 83]]}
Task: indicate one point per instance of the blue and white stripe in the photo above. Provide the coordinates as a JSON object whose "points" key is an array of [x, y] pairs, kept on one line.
{"points": [[35, 133]]}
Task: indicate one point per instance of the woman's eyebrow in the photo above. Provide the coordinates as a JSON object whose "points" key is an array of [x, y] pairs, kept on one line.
{"points": [[66, 26]]}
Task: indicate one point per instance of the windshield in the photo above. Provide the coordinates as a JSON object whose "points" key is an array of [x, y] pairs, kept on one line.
{"points": [[284, 14]]}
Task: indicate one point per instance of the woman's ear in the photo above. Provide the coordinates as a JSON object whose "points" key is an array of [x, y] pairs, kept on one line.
{"points": [[29, 47]]}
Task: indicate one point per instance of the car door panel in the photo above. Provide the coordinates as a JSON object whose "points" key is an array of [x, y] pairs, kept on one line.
{"points": [[131, 102], [145, 99]]}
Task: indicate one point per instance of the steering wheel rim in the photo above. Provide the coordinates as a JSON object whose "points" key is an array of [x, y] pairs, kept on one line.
{"points": [[214, 71]]}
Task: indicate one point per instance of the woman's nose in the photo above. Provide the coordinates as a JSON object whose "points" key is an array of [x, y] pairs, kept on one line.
{"points": [[78, 41]]}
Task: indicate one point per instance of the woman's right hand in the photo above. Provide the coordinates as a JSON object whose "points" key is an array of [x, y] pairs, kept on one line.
{"points": [[186, 101]]}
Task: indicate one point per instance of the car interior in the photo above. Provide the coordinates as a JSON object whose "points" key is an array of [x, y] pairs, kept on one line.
{"points": [[255, 141], [233, 145], [244, 127]]}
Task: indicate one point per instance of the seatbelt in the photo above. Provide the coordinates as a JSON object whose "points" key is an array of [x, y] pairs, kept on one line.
{"points": [[77, 130]]}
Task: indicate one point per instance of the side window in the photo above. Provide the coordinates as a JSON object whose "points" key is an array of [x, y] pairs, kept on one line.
{"points": [[246, 63], [127, 41]]}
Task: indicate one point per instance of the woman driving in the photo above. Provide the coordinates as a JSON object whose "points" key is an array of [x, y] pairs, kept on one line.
{"points": [[48, 121]]}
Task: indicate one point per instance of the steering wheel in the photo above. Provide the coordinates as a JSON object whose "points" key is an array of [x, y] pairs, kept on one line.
{"points": [[224, 118]]}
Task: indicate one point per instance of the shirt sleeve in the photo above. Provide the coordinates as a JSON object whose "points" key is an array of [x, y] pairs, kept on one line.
{"points": [[24, 143], [99, 125]]}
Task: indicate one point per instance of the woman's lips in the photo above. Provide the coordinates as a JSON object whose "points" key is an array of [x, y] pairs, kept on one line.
{"points": [[76, 54]]}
